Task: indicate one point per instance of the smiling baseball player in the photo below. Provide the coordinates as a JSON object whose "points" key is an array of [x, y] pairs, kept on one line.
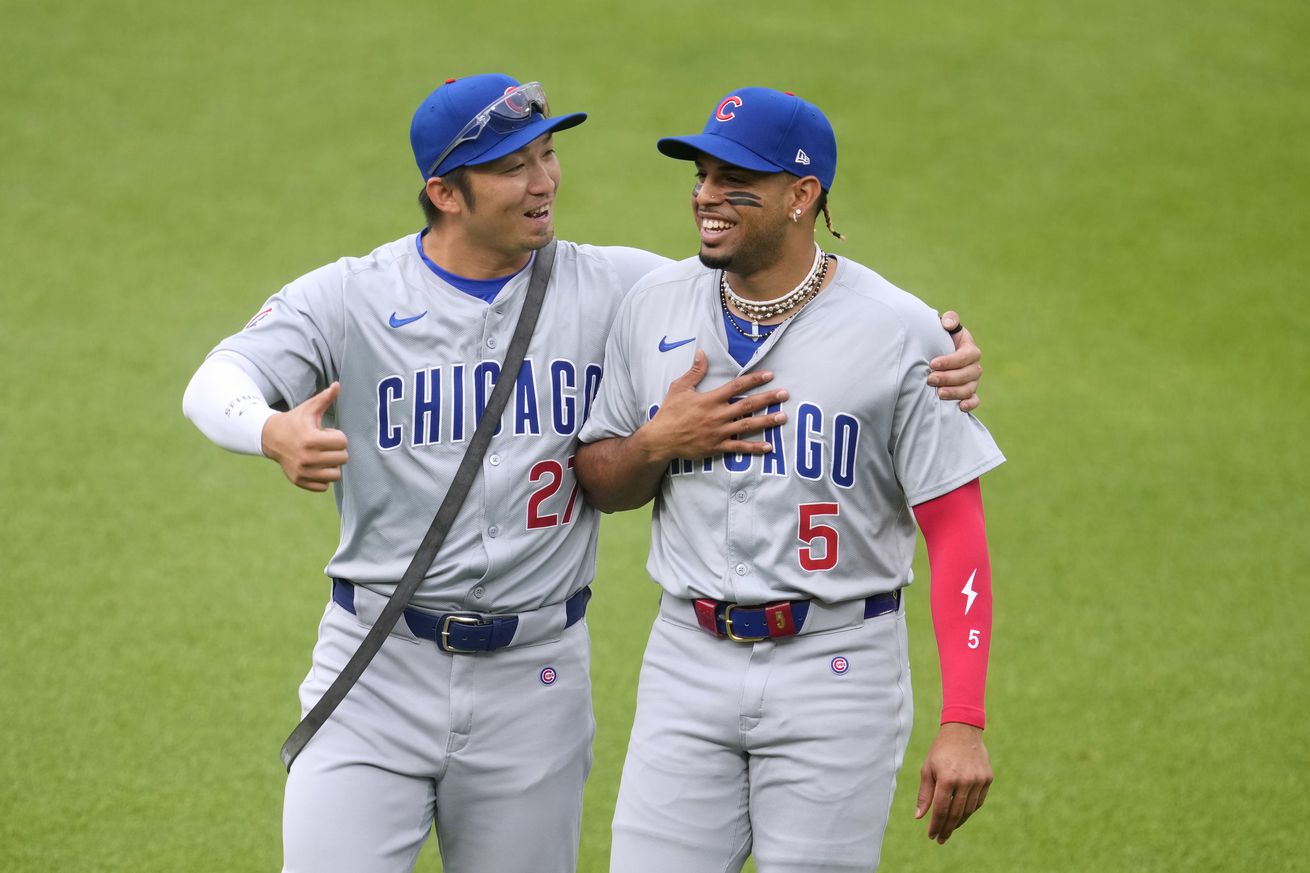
{"points": [[774, 702], [384, 364]]}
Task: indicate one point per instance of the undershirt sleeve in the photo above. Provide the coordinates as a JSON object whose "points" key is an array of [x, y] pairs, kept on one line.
{"points": [[228, 400], [961, 595]]}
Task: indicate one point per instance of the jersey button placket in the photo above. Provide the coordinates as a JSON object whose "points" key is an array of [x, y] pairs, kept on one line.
{"points": [[735, 498], [489, 324], [492, 498]]}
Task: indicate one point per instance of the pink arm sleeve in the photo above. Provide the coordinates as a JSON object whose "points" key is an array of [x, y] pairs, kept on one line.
{"points": [[961, 595]]}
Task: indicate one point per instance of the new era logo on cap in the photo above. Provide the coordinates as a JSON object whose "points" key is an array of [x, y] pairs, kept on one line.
{"points": [[802, 158]]}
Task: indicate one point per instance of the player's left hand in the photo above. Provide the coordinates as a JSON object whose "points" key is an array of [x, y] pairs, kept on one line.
{"points": [[956, 376], [954, 779]]}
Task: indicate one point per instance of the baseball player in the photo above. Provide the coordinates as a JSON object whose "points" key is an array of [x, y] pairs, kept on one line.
{"points": [[774, 702], [381, 367]]}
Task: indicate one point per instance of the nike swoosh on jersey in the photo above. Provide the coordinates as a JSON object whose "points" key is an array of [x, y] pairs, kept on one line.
{"points": [[666, 346], [401, 322]]}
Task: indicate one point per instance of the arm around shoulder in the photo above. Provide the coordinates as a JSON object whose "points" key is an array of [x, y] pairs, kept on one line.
{"points": [[956, 375], [619, 473]]}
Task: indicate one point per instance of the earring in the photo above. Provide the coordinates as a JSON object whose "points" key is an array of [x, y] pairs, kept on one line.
{"points": [[796, 216]]}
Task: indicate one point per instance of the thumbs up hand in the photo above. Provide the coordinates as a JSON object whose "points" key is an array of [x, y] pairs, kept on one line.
{"points": [[311, 455]]}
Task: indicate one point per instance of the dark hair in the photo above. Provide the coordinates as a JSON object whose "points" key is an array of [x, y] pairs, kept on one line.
{"points": [[457, 179], [827, 216]]}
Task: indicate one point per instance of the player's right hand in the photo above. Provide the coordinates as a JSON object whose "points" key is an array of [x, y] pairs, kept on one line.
{"points": [[310, 454], [696, 424], [954, 779]]}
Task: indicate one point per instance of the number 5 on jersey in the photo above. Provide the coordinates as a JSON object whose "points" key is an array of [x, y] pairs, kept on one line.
{"points": [[820, 551]]}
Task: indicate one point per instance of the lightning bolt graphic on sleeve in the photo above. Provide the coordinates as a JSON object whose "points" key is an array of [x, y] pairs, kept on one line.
{"points": [[968, 591]]}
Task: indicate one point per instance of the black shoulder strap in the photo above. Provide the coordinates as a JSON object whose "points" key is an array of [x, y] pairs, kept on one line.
{"points": [[459, 488]]}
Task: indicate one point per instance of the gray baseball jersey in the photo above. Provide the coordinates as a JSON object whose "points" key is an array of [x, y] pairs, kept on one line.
{"points": [[417, 359], [826, 514], [493, 749], [786, 750]]}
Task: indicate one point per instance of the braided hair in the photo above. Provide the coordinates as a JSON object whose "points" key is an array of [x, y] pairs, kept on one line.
{"points": [[827, 216]]}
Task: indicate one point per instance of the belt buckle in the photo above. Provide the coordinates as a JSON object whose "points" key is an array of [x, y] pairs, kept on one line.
{"points": [[727, 626], [443, 638]]}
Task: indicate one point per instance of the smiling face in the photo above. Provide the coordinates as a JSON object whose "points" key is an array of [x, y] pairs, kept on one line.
{"points": [[514, 197], [741, 215], [500, 212]]}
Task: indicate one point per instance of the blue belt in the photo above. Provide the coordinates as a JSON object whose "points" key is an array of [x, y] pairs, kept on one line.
{"points": [[751, 624], [463, 632]]}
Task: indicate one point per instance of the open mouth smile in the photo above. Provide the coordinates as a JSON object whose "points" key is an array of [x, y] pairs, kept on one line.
{"points": [[713, 227]]}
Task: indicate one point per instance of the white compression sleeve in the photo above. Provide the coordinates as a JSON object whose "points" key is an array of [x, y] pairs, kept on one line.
{"points": [[228, 403]]}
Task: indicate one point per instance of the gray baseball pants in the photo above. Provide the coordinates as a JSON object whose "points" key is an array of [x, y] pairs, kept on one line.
{"points": [[786, 750], [492, 748]]}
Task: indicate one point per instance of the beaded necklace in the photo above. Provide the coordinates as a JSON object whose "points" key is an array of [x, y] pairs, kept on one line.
{"points": [[793, 300]]}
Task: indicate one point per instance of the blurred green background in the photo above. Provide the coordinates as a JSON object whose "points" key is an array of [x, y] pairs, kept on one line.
{"points": [[1113, 194]]}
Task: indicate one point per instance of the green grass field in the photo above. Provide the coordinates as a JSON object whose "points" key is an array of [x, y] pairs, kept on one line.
{"points": [[1112, 193]]}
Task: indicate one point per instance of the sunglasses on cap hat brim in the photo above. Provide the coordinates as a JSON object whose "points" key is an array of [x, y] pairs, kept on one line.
{"points": [[512, 111]]}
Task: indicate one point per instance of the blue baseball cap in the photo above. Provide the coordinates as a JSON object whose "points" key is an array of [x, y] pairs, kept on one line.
{"points": [[478, 119], [767, 131]]}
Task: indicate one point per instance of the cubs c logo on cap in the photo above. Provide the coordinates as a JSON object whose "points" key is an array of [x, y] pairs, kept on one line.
{"points": [[724, 113]]}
